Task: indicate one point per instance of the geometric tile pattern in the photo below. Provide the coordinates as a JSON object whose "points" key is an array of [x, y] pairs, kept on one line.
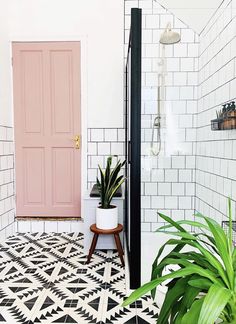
{"points": [[44, 279]]}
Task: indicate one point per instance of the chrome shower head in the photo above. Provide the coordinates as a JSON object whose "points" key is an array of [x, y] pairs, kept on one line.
{"points": [[169, 37]]}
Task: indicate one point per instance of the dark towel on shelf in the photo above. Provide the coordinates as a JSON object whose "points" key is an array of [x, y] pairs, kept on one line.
{"points": [[95, 193]]}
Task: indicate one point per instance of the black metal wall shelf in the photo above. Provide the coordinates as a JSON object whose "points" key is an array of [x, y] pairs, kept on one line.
{"points": [[224, 123], [226, 118]]}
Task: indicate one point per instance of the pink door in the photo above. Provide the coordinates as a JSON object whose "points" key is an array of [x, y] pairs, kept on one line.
{"points": [[46, 78]]}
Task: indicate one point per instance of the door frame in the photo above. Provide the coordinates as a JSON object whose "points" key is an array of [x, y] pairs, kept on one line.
{"points": [[84, 95]]}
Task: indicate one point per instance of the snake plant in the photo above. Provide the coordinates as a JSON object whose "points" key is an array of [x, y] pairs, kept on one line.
{"points": [[202, 290], [109, 182]]}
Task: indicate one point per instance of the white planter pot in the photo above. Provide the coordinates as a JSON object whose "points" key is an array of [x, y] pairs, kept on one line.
{"points": [[107, 218]]}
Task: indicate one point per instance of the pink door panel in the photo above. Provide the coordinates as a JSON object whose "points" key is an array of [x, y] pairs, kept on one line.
{"points": [[34, 168], [46, 77]]}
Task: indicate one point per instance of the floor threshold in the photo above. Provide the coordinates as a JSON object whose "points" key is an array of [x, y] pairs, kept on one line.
{"points": [[29, 218]]}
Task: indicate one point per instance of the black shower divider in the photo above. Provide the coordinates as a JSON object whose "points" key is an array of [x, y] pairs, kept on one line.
{"points": [[133, 148]]}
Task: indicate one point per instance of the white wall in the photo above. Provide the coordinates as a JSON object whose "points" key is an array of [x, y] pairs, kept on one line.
{"points": [[5, 76], [195, 14], [101, 21], [216, 150]]}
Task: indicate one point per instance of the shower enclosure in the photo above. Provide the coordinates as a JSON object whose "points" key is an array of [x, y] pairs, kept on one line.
{"points": [[151, 170], [133, 148]]}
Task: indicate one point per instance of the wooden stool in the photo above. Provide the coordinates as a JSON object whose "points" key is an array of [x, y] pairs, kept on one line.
{"points": [[115, 232]]}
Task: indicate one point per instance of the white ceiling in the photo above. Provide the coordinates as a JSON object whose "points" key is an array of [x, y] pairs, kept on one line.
{"points": [[194, 13]]}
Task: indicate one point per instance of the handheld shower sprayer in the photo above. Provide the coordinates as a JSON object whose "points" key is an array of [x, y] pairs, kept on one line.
{"points": [[157, 124], [168, 37]]}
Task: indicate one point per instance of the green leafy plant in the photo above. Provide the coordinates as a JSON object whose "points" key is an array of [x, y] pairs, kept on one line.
{"points": [[109, 182], [203, 288]]}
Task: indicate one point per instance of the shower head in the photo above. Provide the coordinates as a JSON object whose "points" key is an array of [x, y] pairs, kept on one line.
{"points": [[169, 37]]}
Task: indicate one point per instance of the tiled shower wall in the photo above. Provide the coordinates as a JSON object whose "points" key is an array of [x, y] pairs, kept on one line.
{"points": [[216, 150], [169, 185], [7, 202], [103, 142]]}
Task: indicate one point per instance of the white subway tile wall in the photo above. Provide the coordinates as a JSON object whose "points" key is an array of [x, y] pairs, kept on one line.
{"points": [[215, 151], [103, 142], [7, 200], [166, 187]]}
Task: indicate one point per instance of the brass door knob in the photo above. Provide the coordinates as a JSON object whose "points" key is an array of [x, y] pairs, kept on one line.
{"points": [[77, 141]]}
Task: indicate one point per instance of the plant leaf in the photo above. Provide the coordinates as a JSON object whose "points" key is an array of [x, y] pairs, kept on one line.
{"points": [[209, 257], [186, 222], [198, 259], [114, 190], [190, 295], [109, 182], [200, 282], [102, 187], [221, 242], [108, 169], [158, 272], [230, 227], [214, 302], [191, 269], [180, 234], [171, 297], [234, 258], [172, 222], [191, 317]]}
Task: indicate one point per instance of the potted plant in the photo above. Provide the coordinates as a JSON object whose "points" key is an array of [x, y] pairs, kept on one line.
{"points": [[108, 184], [203, 288]]}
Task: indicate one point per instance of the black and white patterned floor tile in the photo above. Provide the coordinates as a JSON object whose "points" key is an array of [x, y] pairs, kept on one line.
{"points": [[44, 279]]}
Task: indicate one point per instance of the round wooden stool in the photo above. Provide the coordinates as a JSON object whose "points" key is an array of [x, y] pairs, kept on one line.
{"points": [[115, 232]]}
